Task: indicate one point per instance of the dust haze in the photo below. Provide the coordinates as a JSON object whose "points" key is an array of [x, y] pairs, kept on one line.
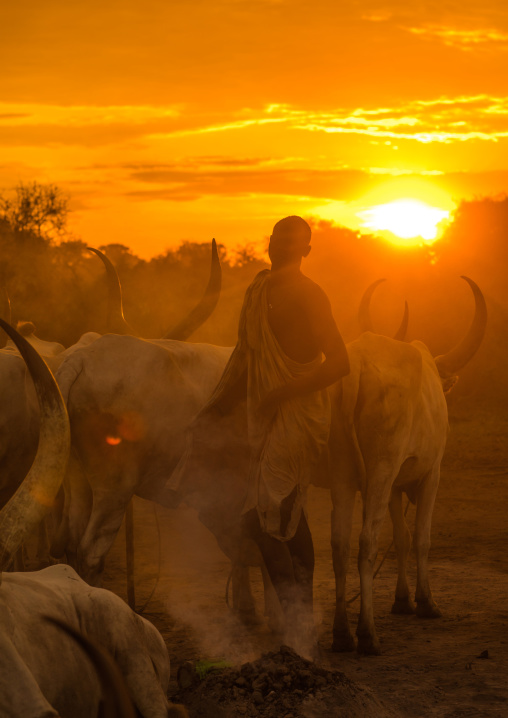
{"points": [[424, 663]]}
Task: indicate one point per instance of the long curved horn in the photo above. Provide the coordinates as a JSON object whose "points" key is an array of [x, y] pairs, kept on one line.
{"points": [[449, 363], [117, 702], [364, 317], [36, 494], [204, 309], [400, 335], [116, 322]]}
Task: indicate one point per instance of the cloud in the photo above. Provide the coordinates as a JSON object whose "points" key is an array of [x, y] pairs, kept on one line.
{"points": [[463, 39], [45, 124], [343, 185], [83, 115], [419, 121], [466, 27], [442, 120], [184, 184]]}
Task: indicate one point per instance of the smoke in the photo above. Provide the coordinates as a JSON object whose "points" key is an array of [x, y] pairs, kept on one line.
{"points": [[192, 597]]}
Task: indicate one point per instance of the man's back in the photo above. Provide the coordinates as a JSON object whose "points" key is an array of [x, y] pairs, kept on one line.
{"points": [[300, 318]]}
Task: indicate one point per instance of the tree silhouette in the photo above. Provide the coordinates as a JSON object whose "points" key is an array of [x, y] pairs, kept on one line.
{"points": [[40, 209]]}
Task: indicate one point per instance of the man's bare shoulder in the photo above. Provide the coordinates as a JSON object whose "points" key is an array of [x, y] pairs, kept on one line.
{"points": [[314, 295]]}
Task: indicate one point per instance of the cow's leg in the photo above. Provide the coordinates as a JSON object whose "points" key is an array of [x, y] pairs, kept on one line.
{"points": [[425, 605], [105, 521], [402, 540], [243, 600], [374, 511], [77, 508], [342, 519]]}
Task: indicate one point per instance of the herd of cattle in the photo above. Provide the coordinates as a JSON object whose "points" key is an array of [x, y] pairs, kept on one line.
{"points": [[116, 427]]}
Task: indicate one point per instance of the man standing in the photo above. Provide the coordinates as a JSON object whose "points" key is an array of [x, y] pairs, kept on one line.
{"points": [[288, 325], [274, 392]]}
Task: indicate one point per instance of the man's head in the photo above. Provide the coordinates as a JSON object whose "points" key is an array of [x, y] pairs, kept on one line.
{"points": [[289, 242]]}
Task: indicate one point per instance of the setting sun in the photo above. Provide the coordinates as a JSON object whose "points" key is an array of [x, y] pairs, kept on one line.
{"points": [[408, 221]]}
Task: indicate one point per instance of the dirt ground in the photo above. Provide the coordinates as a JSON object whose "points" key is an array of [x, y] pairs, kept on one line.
{"points": [[455, 666]]}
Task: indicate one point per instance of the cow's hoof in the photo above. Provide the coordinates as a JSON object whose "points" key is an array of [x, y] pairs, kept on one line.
{"points": [[424, 609], [403, 607], [343, 642], [368, 646]]}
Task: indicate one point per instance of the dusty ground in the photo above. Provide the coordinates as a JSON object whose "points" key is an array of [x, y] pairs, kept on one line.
{"points": [[428, 667]]}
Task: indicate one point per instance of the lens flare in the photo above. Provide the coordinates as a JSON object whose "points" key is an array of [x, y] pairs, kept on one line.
{"points": [[409, 221], [113, 440]]}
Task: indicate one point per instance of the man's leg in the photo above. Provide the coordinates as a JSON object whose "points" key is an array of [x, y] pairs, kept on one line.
{"points": [[301, 549], [290, 566], [277, 557]]}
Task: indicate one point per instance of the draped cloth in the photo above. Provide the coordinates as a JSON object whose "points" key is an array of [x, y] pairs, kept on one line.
{"points": [[236, 459]]}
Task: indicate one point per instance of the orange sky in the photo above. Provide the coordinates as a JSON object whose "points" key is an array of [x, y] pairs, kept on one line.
{"points": [[180, 120]]}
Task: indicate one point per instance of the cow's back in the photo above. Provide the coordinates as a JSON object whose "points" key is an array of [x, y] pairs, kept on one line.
{"points": [[374, 405]]}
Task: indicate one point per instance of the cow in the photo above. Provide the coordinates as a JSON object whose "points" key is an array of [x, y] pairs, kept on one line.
{"points": [[19, 418], [388, 436], [41, 672], [130, 402]]}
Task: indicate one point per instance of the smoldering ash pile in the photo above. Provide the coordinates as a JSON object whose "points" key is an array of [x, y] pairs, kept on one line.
{"points": [[280, 684]]}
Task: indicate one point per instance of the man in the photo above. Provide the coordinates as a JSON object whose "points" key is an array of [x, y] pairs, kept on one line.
{"points": [[269, 419], [289, 325]]}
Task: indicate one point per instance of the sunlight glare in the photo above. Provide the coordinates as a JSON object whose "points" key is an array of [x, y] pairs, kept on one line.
{"points": [[408, 220]]}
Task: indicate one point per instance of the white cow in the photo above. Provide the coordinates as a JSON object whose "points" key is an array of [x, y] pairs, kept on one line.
{"points": [[130, 402], [388, 436], [42, 672], [19, 417]]}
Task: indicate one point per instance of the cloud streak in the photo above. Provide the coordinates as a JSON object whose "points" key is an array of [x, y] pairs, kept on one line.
{"points": [[447, 120], [463, 39]]}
